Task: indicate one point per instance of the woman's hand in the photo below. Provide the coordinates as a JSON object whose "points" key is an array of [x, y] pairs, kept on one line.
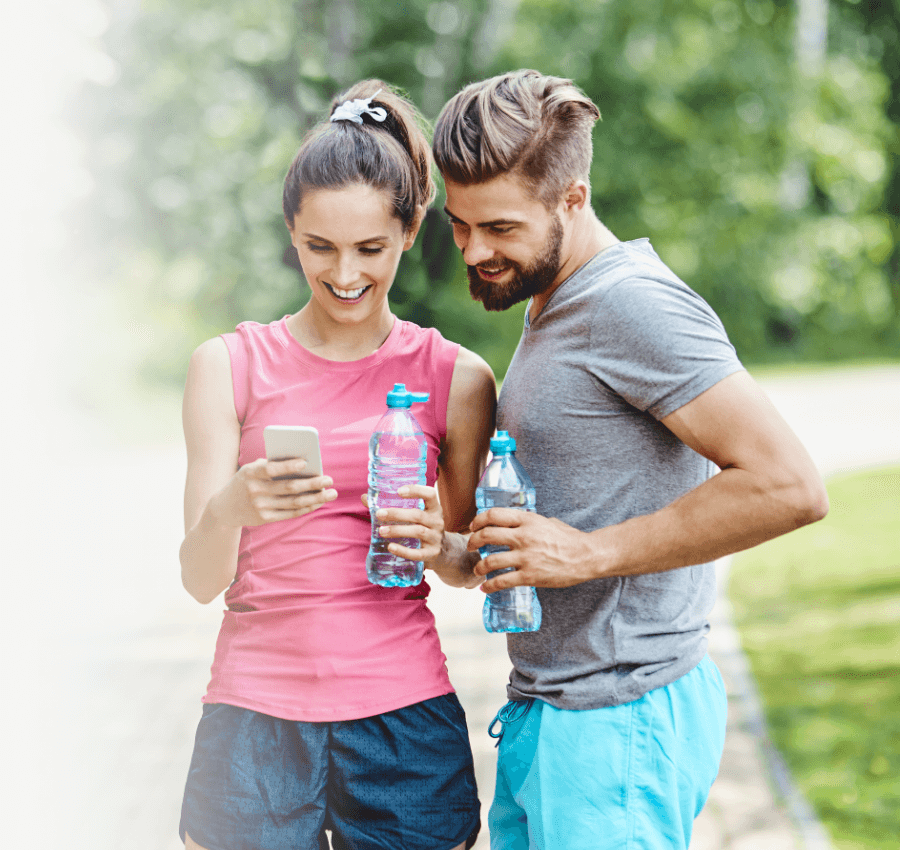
{"points": [[269, 491], [426, 525]]}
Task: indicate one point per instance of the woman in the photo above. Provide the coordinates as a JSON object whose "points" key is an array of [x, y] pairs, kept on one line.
{"points": [[329, 705]]}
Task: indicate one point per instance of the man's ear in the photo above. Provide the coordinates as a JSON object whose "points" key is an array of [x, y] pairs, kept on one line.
{"points": [[575, 197], [409, 237]]}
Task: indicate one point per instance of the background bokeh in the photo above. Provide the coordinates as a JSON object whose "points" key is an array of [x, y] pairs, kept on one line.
{"points": [[754, 142], [143, 148]]}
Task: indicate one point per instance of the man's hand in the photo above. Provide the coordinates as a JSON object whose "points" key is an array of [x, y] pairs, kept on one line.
{"points": [[542, 552]]}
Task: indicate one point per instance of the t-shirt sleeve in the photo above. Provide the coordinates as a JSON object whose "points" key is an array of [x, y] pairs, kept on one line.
{"points": [[658, 344]]}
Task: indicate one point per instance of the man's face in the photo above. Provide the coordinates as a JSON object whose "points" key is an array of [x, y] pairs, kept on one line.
{"points": [[511, 243]]}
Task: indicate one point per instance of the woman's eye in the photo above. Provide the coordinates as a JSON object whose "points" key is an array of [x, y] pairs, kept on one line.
{"points": [[317, 247], [371, 251]]}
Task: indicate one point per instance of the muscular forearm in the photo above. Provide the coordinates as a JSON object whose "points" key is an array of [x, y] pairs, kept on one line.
{"points": [[734, 510], [455, 563], [209, 557], [726, 514]]}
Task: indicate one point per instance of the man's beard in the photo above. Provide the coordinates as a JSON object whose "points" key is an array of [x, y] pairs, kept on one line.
{"points": [[526, 281]]}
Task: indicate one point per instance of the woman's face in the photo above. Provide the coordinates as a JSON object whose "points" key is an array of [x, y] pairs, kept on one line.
{"points": [[349, 243]]}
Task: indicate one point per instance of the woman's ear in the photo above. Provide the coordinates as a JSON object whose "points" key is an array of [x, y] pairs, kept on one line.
{"points": [[409, 237]]}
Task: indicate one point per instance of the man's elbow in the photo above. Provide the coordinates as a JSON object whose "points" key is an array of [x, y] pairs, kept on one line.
{"points": [[810, 501]]}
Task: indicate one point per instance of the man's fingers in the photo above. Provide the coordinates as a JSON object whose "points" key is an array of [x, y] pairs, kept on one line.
{"points": [[508, 560], [506, 517], [511, 577], [493, 535]]}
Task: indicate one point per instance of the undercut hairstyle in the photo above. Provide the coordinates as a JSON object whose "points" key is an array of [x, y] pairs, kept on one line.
{"points": [[391, 155], [523, 123]]}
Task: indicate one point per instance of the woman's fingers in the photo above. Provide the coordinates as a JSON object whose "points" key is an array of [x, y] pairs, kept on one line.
{"points": [[421, 554], [429, 542], [425, 525], [277, 469], [296, 501], [297, 486], [421, 491]]}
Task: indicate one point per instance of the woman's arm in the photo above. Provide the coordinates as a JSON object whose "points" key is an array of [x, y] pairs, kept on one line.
{"points": [[220, 498], [471, 414]]}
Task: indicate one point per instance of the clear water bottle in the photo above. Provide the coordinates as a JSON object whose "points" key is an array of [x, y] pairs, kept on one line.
{"points": [[398, 454], [505, 484]]}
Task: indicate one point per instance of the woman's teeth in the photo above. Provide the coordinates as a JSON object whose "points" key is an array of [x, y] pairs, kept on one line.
{"points": [[349, 294]]}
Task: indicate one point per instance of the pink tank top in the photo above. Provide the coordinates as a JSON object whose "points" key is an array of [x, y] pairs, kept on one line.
{"points": [[305, 635]]}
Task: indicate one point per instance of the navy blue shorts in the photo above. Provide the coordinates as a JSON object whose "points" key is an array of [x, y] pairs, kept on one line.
{"points": [[403, 780]]}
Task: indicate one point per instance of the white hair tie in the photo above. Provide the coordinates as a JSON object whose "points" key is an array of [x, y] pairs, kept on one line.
{"points": [[353, 110]]}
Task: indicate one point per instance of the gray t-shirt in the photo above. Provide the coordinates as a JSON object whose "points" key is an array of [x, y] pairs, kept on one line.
{"points": [[620, 344]]}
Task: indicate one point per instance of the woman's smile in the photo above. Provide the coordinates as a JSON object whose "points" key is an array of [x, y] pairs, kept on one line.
{"points": [[348, 296]]}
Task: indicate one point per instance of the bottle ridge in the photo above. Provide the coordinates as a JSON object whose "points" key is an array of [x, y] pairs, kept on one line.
{"points": [[398, 453], [505, 484]]}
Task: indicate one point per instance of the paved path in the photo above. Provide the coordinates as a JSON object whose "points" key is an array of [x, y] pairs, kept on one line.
{"points": [[109, 655]]}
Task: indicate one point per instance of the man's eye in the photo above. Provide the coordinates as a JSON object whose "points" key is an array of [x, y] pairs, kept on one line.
{"points": [[501, 231]]}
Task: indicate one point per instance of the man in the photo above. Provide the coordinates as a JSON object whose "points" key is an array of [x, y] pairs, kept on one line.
{"points": [[624, 394]]}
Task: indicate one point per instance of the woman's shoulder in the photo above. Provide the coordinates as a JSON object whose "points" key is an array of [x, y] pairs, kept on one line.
{"points": [[468, 367], [472, 369], [473, 380], [211, 354]]}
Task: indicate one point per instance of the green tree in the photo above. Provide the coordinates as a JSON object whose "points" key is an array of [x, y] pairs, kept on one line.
{"points": [[192, 142], [773, 193], [762, 187]]}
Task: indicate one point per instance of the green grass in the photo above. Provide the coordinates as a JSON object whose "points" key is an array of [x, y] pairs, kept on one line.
{"points": [[819, 616], [766, 371]]}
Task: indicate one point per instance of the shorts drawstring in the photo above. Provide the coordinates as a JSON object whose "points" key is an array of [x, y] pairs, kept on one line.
{"points": [[511, 712]]}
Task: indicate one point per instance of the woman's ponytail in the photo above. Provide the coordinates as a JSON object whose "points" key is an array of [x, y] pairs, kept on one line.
{"points": [[375, 136]]}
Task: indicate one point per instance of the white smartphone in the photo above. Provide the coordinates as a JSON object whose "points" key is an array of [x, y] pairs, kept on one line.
{"points": [[288, 441]]}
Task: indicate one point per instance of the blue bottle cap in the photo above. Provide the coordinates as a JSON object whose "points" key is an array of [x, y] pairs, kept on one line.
{"points": [[400, 397], [502, 444]]}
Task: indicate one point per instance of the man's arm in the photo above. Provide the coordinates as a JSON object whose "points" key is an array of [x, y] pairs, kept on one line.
{"points": [[768, 485]]}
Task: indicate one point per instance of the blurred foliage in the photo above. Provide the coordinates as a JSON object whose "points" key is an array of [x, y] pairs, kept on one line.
{"points": [[772, 192], [821, 632]]}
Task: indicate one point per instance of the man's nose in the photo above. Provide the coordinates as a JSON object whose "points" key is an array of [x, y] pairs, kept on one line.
{"points": [[476, 250]]}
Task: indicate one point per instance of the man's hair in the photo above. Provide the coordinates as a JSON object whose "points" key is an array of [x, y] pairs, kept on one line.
{"points": [[522, 123]]}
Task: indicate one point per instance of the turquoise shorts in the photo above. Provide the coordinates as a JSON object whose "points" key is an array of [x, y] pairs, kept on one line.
{"points": [[626, 777]]}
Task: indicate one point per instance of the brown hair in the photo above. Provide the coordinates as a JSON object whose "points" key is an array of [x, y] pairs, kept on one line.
{"points": [[392, 155], [524, 123]]}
